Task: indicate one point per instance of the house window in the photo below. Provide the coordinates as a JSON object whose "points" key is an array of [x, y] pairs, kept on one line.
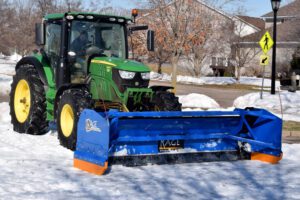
{"points": [[228, 63], [221, 61], [213, 61]]}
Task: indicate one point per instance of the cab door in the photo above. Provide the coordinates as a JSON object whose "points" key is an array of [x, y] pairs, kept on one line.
{"points": [[53, 43]]}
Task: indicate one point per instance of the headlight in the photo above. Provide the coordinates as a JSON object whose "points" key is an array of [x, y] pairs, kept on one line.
{"points": [[146, 76], [126, 74]]}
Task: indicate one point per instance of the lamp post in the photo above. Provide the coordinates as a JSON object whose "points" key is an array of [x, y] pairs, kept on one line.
{"points": [[275, 7]]}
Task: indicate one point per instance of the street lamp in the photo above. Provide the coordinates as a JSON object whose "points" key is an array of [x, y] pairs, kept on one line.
{"points": [[275, 7]]}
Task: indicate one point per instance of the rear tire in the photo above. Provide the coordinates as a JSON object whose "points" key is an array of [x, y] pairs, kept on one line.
{"points": [[166, 101], [71, 103], [28, 102]]}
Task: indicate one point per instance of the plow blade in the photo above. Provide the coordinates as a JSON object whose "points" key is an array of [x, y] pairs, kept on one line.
{"points": [[137, 138]]}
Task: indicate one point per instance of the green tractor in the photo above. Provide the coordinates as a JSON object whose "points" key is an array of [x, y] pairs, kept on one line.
{"points": [[83, 63]]}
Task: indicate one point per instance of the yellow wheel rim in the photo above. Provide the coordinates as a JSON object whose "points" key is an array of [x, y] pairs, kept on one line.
{"points": [[67, 120], [22, 101]]}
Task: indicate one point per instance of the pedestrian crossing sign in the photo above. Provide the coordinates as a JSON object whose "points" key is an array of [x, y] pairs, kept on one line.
{"points": [[264, 60], [266, 42]]}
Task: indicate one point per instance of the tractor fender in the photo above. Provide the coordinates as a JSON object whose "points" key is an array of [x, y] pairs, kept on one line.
{"points": [[63, 88], [157, 88], [31, 60]]}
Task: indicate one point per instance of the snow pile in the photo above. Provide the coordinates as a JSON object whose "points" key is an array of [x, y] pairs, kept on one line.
{"points": [[160, 77], [15, 57], [212, 80], [290, 103], [206, 80], [197, 102], [5, 82], [7, 67], [4, 109]]}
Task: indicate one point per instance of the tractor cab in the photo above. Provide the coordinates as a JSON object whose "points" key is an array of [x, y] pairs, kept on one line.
{"points": [[89, 39], [71, 40]]}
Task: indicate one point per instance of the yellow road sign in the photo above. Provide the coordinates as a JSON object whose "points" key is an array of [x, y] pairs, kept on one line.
{"points": [[264, 60], [266, 42]]}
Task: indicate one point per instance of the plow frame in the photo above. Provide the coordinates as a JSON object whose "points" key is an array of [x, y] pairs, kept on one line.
{"points": [[106, 138]]}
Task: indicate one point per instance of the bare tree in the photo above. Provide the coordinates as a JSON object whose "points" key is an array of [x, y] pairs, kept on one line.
{"points": [[242, 54], [213, 37], [24, 20], [176, 17], [19, 21], [222, 4], [6, 27], [162, 52]]}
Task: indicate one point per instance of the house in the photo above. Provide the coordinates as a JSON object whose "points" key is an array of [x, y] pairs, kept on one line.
{"points": [[288, 36], [218, 53]]}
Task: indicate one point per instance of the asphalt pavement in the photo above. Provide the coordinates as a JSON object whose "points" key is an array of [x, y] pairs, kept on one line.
{"points": [[224, 97]]}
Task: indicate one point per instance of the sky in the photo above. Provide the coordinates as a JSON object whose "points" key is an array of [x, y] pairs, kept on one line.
{"points": [[253, 8], [257, 8]]}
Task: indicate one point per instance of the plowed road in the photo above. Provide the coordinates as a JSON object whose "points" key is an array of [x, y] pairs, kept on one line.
{"points": [[224, 97]]}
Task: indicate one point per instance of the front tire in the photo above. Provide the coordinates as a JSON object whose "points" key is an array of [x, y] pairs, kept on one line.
{"points": [[166, 101], [71, 103], [28, 102]]}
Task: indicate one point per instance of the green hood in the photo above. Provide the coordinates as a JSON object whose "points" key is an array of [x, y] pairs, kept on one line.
{"points": [[122, 64]]}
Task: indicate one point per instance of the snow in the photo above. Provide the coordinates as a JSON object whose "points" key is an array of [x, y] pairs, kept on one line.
{"points": [[15, 57], [195, 101], [4, 113], [37, 167], [7, 69], [5, 82], [290, 103], [212, 80]]}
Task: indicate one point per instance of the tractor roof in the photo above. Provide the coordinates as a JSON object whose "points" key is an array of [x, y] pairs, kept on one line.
{"points": [[61, 15]]}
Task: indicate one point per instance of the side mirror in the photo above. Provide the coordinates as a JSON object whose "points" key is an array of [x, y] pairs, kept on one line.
{"points": [[137, 28], [150, 40], [71, 57], [39, 34]]}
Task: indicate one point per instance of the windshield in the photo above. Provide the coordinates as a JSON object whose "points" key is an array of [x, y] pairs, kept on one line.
{"points": [[89, 37]]}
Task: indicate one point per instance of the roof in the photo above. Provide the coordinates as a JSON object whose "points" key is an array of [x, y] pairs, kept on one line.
{"points": [[289, 31], [61, 15], [291, 9], [257, 22]]}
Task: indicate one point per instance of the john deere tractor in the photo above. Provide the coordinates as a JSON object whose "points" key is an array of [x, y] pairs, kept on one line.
{"points": [[83, 63]]}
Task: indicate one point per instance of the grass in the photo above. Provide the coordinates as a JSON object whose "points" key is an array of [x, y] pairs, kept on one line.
{"points": [[291, 126]]}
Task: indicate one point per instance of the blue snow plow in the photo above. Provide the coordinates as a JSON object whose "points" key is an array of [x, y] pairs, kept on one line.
{"points": [[139, 138]]}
